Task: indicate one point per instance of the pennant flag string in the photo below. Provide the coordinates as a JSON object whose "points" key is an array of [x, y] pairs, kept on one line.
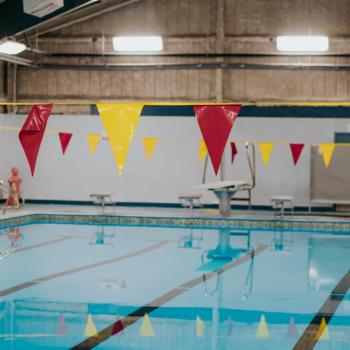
{"points": [[180, 139], [93, 140], [233, 151], [32, 132], [215, 123], [120, 121], [296, 149], [265, 149], [327, 150], [65, 138], [203, 151], [149, 144]]}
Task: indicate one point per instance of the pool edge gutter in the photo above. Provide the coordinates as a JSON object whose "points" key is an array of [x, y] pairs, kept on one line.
{"points": [[190, 222]]}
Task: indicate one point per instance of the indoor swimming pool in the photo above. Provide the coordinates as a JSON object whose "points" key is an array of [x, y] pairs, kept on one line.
{"points": [[135, 287]]}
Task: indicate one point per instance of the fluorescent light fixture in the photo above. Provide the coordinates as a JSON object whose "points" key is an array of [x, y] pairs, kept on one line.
{"points": [[10, 47], [137, 43], [302, 43]]}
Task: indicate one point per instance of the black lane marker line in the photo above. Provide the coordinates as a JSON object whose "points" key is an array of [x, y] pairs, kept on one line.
{"points": [[39, 280], [308, 340], [128, 320], [39, 245]]}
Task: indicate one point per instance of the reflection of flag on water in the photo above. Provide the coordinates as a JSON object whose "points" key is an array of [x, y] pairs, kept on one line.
{"points": [[200, 327], [230, 326]]}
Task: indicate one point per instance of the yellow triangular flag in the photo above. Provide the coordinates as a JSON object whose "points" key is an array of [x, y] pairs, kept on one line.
{"points": [[200, 327], [266, 149], [203, 150], [93, 140], [322, 333], [262, 330], [146, 327], [149, 143], [120, 121], [90, 328], [327, 150]]}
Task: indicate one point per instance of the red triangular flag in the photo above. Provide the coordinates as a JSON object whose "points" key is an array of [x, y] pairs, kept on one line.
{"points": [[32, 132], [233, 151], [215, 123], [296, 149], [62, 328], [118, 327], [65, 139], [292, 330]]}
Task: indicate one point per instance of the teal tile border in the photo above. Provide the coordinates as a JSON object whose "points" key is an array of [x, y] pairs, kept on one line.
{"points": [[195, 222]]}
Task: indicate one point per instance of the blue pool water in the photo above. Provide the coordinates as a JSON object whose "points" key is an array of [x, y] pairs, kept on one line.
{"points": [[166, 288]]}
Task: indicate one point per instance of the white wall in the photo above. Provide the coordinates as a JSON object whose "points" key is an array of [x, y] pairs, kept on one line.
{"points": [[174, 168]]}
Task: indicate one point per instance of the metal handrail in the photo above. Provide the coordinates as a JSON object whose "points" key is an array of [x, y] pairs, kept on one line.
{"points": [[250, 153], [204, 277]]}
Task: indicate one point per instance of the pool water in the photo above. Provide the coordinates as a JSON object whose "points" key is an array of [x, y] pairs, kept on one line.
{"points": [[130, 287]]}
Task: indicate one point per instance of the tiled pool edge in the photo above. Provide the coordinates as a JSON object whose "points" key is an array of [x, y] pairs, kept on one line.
{"points": [[195, 222]]}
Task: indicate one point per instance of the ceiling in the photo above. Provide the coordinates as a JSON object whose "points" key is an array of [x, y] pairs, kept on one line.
{"points": [[13, 20]]}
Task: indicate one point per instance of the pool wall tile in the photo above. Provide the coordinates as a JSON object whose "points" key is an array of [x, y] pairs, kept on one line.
{"points": [[195, 222]]}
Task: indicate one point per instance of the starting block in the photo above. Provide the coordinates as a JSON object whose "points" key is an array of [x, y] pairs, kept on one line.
{"points": [[281, 203]]}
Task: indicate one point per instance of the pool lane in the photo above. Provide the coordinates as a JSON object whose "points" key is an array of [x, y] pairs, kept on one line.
{"points": [[294, 282], [133, 317], [308, 340], [42, 279], [44, 244]]}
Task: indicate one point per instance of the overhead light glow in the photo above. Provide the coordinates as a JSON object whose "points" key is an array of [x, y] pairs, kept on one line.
{"points": [[11, 47], [302, 43], [137, 43]]}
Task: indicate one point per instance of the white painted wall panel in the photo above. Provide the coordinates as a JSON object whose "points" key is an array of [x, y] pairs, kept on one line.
{"points": [[174, 168]]}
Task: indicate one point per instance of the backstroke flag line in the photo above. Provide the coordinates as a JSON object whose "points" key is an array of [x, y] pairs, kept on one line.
{"points": [[296, 149], [65, 138], [327, 150], [266, 149], [149, 143], [32, 132], [203, 151], [233, 152], [215, 123], [120, 121], [93, 140]]}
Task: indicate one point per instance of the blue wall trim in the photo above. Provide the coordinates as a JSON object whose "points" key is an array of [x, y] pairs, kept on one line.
{"points": [[249, 111], [171, 205]]}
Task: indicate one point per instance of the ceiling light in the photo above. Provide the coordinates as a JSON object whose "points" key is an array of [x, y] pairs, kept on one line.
{"points": [[137, 43], [302, 43], [11, 47]]}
